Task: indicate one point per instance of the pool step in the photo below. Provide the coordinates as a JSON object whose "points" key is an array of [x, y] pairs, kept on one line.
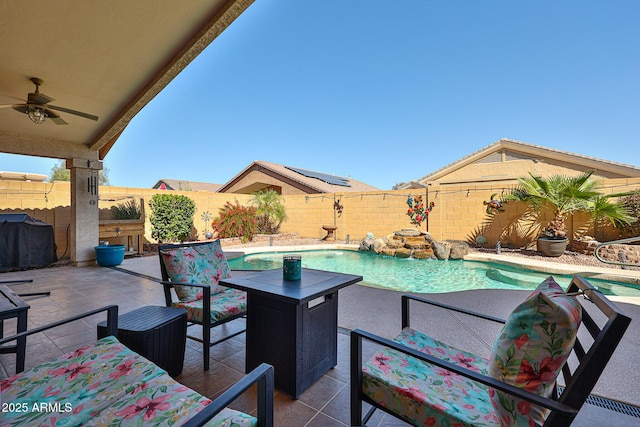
{"points": [[499, 276]]}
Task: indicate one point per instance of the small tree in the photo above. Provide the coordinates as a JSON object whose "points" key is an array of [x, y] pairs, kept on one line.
{"points": [[236, 221], [270, 211], [59, 172], [171, 217]]}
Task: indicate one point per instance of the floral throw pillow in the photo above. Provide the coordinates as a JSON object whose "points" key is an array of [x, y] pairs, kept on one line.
{"points": [[531, 350], [203, 264]]}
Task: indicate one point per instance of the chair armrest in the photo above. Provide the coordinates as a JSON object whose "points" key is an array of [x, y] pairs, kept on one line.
{"points": [[112, 323], [263, 376], [406, 312], [166, 283], [356, 357]]}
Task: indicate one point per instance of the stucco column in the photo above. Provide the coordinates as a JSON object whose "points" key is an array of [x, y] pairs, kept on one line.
{"points": [[84, 210]]}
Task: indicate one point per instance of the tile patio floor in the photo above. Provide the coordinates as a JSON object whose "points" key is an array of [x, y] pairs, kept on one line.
{"points": [[325, 403]]}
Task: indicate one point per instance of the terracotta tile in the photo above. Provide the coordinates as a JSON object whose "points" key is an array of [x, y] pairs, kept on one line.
{"points": [[320, 392], [73, 341], [236, 361], [68, 329], [210, 383], [322, 420], [341, 371], [289, 412]]}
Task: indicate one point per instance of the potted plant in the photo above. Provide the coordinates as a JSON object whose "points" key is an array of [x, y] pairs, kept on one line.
{"points": [[564, 195]]}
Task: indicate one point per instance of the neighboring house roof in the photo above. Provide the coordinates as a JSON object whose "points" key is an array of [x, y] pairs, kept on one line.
{"points": [[22, 176], [315, 182], [534, 152], [181, 185]]}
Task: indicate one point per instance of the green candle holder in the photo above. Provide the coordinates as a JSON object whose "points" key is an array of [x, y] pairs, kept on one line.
{"points": [[291, 267]]}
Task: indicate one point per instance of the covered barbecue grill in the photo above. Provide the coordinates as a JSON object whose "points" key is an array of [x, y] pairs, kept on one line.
{"points": [[25, 242]]}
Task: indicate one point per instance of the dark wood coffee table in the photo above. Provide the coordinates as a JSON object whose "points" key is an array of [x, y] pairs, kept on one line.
{"points": [[292, 325]]}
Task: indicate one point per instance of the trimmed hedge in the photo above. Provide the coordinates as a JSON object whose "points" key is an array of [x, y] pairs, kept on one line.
{"points": [[171, 217]]}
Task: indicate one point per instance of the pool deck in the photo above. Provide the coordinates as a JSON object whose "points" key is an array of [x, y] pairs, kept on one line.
{"points": [[326, 403]]}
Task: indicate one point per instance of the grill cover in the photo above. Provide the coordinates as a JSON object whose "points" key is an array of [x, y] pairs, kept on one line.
{"points": [[25, 242]]}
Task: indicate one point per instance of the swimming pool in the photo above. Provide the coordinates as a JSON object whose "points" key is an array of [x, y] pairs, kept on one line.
{"points": [[421, 276]]}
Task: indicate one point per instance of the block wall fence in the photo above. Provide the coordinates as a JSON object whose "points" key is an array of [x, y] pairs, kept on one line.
{"points": [[459, 212]]}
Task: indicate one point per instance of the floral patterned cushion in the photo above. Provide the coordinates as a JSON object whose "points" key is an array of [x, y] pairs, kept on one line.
{"points": [[89, 379], [163, 401], [203, 264], [531, 349], [104, 383], [424, 394], [224, 304]]}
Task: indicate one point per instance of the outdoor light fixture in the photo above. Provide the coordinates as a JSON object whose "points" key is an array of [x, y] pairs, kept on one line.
{"points": [[37, 115]]}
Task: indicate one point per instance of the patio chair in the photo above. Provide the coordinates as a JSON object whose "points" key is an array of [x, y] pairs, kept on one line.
{"points": [[428, 382], [193, 270]]}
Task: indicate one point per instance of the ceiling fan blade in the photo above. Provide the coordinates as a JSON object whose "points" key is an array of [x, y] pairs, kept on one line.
{"points": [[14, 97], [6, 105], [58, 120], [23, 108], [54, 117], [74, 112], [39, 99]]}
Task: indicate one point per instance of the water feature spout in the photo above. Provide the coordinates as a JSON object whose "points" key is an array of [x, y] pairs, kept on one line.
{"points": [[498, 247]]}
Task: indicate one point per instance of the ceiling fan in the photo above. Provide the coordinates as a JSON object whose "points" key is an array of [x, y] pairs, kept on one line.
{"points": [[38, 108]]}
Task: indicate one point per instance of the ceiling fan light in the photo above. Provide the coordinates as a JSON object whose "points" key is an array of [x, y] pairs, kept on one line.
{"points": [[37, 115]]}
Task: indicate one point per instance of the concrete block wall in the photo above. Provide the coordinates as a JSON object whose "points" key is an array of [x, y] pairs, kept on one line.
{"points": [[379, 212], [459, 212]]}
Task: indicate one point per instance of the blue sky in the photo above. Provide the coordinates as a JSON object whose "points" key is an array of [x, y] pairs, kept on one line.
{"points": [[388, 91]]}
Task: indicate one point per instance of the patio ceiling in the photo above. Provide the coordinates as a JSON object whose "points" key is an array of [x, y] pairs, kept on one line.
{"points": [[105, 58]]}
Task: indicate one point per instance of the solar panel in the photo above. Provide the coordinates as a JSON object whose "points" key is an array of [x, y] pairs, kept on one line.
{"points": [[329, 179]]}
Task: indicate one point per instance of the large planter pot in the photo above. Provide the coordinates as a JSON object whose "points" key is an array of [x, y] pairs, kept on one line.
{"points": [[109, 255], [552, 247]]}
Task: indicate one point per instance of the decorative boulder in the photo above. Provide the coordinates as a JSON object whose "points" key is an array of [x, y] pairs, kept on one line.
{"points": [[429, 238], [441, 250], [367, 243], [408, 232], [410, 242], [378, 245], [395, 243], [364, 246], [403, 253], [458, 250], [423, 254], [416, 243]]}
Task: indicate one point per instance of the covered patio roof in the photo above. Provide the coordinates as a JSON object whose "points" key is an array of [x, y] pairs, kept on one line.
{"points": [[107, 59], [92, 66]]}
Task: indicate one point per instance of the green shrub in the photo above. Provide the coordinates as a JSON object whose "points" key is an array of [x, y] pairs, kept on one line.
{"points": [[236, 221], [126, 210], [171, 217]]}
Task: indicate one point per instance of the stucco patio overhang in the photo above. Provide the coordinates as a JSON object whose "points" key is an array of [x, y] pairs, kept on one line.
{"points": [[107, 59]]}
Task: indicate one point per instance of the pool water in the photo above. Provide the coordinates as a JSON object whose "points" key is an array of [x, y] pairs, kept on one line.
{"points": [[421, 276]]}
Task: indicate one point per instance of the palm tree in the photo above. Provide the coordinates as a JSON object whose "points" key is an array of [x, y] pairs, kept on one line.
{"points": [[564, 195], [270, 210]]}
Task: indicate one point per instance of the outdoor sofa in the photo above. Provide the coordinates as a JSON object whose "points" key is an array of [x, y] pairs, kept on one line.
{"points": [[105, 383]]}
